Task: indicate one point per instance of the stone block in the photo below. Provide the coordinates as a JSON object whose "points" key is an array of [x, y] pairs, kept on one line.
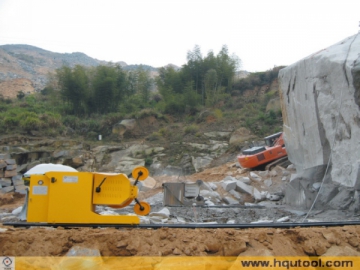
{"points": [[229, 185], [256, 194], [11, 167], [343, 199], [10, 173], [10, 161], [16, 177], [4, 156], [2, 164], [17, 182], [235, 194], [242, 187], [230, 201], [319, 114], [7, 189], [21, 189], [5, 182]]}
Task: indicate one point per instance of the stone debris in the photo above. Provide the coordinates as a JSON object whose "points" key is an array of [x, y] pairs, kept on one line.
{"points": [[230, 201], [245, 180], [255, 177], [268, 182], [283, 219], [17, 211], [163, 213], [77, 251], [213, 186]]}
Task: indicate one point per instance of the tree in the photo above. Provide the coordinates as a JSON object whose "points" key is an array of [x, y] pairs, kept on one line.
{"points": [[74, 88]]}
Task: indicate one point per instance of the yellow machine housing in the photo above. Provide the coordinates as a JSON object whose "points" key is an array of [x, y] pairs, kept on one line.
{"points": [[71, 197]]}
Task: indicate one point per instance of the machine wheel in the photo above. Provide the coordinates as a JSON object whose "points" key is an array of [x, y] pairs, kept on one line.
{"points": [[140, 173], [145, 211], [121, 205]]}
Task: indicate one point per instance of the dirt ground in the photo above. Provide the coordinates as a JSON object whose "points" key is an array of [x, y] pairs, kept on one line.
{"points": [[42, 241], [333, 241]]}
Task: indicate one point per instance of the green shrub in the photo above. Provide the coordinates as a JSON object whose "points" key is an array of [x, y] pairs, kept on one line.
{"points": [[192, 129], [30, 123], [154, 136], [163, 131], [218, 114], [71, 121], [148, 161], [11, 121]]}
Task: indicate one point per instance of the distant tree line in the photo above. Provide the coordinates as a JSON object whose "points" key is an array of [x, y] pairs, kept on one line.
{"points": [[103, 89], [202, 81]]}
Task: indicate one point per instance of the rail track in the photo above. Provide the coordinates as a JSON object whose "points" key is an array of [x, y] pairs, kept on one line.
{"points": [[285, 225]]}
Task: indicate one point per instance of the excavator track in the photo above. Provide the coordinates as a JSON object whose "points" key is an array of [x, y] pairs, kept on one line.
{"points": [[284, 162]]}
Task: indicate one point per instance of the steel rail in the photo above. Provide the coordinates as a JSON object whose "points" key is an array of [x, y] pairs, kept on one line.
{"points": [[190, 225]]}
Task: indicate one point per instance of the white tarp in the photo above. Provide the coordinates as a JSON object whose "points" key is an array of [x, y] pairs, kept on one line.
{"points": [[43, 168]]}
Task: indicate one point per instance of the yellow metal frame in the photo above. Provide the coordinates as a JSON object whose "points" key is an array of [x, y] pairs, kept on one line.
{"points": [[70, 197]]}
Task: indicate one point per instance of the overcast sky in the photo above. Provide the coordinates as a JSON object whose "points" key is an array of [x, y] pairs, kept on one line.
{"points": [[262, 33]]}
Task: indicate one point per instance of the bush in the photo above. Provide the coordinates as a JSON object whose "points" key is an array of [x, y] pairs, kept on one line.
{"points": [[192, 129], [218, 113], [11, 121], [30, 123], [154, 136], [148, 161]]}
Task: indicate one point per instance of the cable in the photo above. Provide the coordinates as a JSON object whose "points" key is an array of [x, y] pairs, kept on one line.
{"points": [[333, 143]]}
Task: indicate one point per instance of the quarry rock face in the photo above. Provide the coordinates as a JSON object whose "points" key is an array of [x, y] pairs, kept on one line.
{"points": [[320, 97]]}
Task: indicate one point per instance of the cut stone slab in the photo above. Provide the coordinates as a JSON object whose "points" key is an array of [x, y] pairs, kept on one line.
{"points": [[213, 186], [229, 185], [257, 194], [242, 187], [230, 201], [235, 194]]}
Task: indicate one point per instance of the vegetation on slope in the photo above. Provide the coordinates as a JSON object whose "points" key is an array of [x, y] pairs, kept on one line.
{"points": [[90, 100]]}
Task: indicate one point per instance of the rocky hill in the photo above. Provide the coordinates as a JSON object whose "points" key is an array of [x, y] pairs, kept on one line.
{"points": [[26, 68]]}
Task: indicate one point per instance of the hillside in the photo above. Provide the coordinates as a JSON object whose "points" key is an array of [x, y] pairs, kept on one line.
{"points": [[25, 68]]}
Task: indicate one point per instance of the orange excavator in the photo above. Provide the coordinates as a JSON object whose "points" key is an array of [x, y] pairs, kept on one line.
{"points": [[274, 150]]}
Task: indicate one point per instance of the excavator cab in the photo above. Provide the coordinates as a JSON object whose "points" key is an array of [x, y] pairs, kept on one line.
{"points": [[271, 140]]}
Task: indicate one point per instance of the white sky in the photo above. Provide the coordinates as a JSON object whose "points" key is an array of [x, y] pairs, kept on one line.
{"points": [[262, 33]]}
